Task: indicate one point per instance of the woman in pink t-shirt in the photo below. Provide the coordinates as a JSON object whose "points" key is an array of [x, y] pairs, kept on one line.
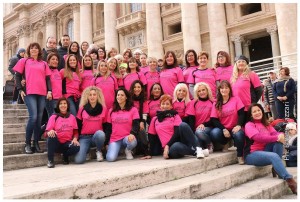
{"points": [[87, 73], [74, 49], [123, 126], [152, 75], [181, 100], [144, 66], [62, 133], [156, 92], [264, 145], [38, 86], [91, 117], [137, 92], [199, 115], [106, 82], [169, 135], [113, 66], [227, 116], [245, 83], [170, 74], [71, 80], [223, 67], [133, 73], [191, 65]]}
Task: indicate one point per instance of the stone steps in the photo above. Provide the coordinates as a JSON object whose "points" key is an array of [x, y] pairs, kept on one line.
{"points": [[14, 128], [17, 106], [14, 137], [16, 112], [103, 179], [18, 148], [15, 119]]}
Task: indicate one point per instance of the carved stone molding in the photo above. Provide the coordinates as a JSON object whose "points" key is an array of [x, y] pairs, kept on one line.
{"points": [[246, 43], [75, 7], [24, 30], [179, 53], [131, 23], [49, 16], [272, 29], [237, 38], [135, 40]]}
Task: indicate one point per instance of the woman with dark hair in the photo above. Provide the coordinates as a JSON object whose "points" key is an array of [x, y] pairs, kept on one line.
{"points": [[84, 46], [38, 86], [102, 53], [123, 125], [227, 116], [95, 57], [138, 94], [126, 55], [87, 73], [75, 50], [156, 92], [62, 133], [223, 67], [191, 65], [264, 145], [284, 89], [170, 74], [71, 80]]}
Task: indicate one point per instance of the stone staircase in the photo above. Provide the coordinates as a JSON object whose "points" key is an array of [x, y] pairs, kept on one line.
{"points": [[215, 177]]}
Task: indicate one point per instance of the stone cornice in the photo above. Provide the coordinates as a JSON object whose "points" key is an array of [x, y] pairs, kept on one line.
{"points": [[272, 29]]}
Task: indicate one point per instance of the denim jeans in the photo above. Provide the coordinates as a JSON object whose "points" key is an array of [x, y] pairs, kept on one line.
{"points": [[86, 141], [114, 148], [285, 109], [271, 155], [67, 149], [203, 137], [35, 106], [50, 106], [74, 105], [216, 135]]}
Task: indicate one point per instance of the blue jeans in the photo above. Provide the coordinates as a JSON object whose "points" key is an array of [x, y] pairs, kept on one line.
{"points": [[114, 148], [203, 137], [271, 155], [216, 135], [74, 105], [50, 106], [35, 106], [86, 141]]}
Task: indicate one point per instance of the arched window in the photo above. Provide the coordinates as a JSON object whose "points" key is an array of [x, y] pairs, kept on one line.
{"points": [[135, 7], [70, 26]]}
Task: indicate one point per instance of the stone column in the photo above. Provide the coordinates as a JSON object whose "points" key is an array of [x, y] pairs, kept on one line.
{"points": [[237, 39], [217, 28], [190, 27], [86, 29], [272, 30], [246, 45], [154, 30], [76, 21], [110, 32], [50, 20], [23, 33]]}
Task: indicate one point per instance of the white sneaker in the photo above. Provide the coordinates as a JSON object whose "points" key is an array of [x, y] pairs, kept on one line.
{"points": [[128, 154], [99, 156], [199, 153], [205, 152]]}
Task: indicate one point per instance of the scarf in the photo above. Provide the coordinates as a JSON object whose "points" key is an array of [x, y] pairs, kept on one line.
{"points": [[203, 99], [62, 115], [161, 115], [283, 78], [93, 111], [51, 67]]}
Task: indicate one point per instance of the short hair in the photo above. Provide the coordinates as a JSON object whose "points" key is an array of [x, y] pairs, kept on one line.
{"points": [[175, 64], [165, 97], [226, 55], [195, 57], [52, 54], [286, 70], [209, 93], [150, 59], [203, 53], [35, 44]]}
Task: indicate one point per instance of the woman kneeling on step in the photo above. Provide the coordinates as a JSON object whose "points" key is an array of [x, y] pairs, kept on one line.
{"points": [[62, 133], [265, 145]]}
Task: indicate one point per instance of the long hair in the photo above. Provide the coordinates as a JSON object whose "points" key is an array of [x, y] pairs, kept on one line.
{"points": [[52, 54], [57, 110], [83, 64], [77, 54], [186, 99], [165, 65], [209, 93], [264, 119], [116, 70], [128, 104], [141, 97], [82, 51], [226, 55], [98, 68], [151, 89], [111, 50], [37, 45], [85, 96], [235, 72], [195, 57], [132, 60], [68, 73], [219, 102]]}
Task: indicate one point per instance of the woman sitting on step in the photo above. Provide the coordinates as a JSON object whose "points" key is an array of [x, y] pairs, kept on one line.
{"points": [[265, 145], [62, 133]]}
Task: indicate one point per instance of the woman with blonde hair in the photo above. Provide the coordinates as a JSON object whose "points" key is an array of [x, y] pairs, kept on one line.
{"points": [[91, 117], [199, 115], [106, 82], [181, 100]]}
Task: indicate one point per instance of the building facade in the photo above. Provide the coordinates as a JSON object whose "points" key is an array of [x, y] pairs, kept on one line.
{"points": [[257, 30]]}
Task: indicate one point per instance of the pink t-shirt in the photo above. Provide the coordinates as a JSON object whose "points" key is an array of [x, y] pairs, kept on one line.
{"points": [[56, 84], [169, 78], [35, 75], [269, 134], [207, 75], [201, 110], [121, 123], [164, 129], [151, 77], [145, 69], [181, 107], [241, 88], [72, 85], [229, 114], [131, 77], [187, 71], [136, 104], [108, 86], [154, 106], [86, 78], [224, 73], [63, 127], [91, 124]]}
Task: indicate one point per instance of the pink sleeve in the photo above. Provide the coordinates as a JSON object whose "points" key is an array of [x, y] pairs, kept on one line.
{"points": [[79, 113], [74, 122], [92, 83], [188, 106], [20, 66], [143, 78], [135, 113], [179, 75], [151, 129], [145, 108], [115, 82], [239, 103], [177, 120], [61, 72], [48, 71], [190, 110], [104, 115], [50, 124], [108, 119], [214, 113], [273, 131], [191, 79], [254, 134], [254, 80]]}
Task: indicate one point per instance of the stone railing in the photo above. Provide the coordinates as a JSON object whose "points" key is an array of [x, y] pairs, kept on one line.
{"points": [[131, 22], [98, 32]]}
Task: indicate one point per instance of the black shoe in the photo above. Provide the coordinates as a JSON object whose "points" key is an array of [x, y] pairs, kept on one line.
{"points": [[28, 149], [50, 164], [65, 160], [37, 147]]}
